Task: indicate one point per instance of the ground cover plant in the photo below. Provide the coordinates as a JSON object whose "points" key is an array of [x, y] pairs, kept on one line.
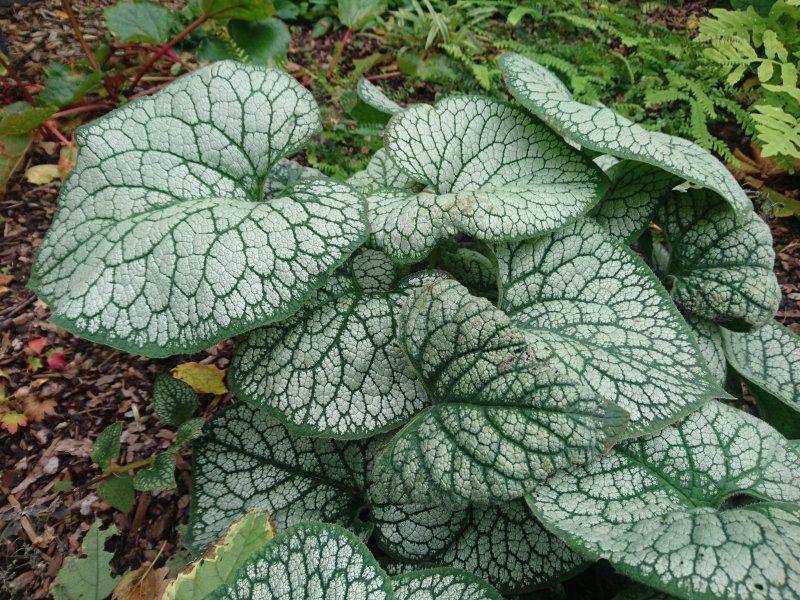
{"points": [[500, 352]]}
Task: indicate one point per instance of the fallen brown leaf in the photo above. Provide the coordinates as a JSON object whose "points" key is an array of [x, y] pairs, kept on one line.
{"points": [[36, 409]]}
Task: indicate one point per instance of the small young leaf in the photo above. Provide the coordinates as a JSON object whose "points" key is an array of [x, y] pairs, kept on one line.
{"points": [[248, 460], [503, 544], [118, 491], [221, 561], [203, 379], [607, 322], [106, 447], [599, 128], [768, 357], [508, 177], [373, 106], [719, 268], [88, 577], [188, 431], [501, 420], [160, 475], [357, 13], [264, 41], [173, 400], [704, 509], [311, 560], [245, 10], [140, 21], [442, 584], [64, 87]]}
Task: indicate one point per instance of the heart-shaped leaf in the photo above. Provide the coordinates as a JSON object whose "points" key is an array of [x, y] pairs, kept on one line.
{"points": [[601, 129], [248, 460], [491, 171], [164, 241], [501, 420], [503, 544], [769, 359], [631, 201], [314, 561], [442, 584], [719, 268], [599, 315], [705, 509], [334, 369], [174, 401]]}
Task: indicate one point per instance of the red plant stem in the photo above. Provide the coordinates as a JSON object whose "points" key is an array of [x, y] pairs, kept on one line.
{"points": [[149, 91], [384, 76], [75, 110], [59, 136], [170, 54], [166, 47], [15, 76], [73, 21], [337, 56]]}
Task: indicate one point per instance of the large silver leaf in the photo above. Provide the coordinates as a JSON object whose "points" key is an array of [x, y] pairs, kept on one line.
{"points": [[501, 421], [490, 170], [168, 237], [312, 561], [601, 129], [705, 509], [335, 368], [247, 460], [718, 268], [503, 544], [769, 358], [600, 315]]}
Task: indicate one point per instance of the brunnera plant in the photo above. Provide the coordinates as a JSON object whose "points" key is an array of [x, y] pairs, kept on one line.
{"points": [[453, 372]]}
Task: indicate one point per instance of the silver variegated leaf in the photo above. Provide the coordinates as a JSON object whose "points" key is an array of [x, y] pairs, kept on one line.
{"points": [[502, 544], [599, 315], [247, 460], [628, 206], [166, 240], [769, 358], [371, 95], [719, 268], [174, 401], [311, 561], [709, 339], [501, 420], [442, 584], [335, 368], [490, 171], [601, 129], [705, 509], [382, 173]]}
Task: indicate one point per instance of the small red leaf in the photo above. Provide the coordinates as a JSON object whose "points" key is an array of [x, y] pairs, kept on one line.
{"points": [[57, 361], [37, 345], [12, 422]]}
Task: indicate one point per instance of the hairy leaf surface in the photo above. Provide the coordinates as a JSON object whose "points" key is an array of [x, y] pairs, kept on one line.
{"points": [[315, 561], [164, 242], [501, 421], [601, 129], [335, 369], [718, 268], [490, 171], [597, 312], [768, 357], [247, 460], [503, 544], [631, 201], [705, 509], [442, 584]]}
